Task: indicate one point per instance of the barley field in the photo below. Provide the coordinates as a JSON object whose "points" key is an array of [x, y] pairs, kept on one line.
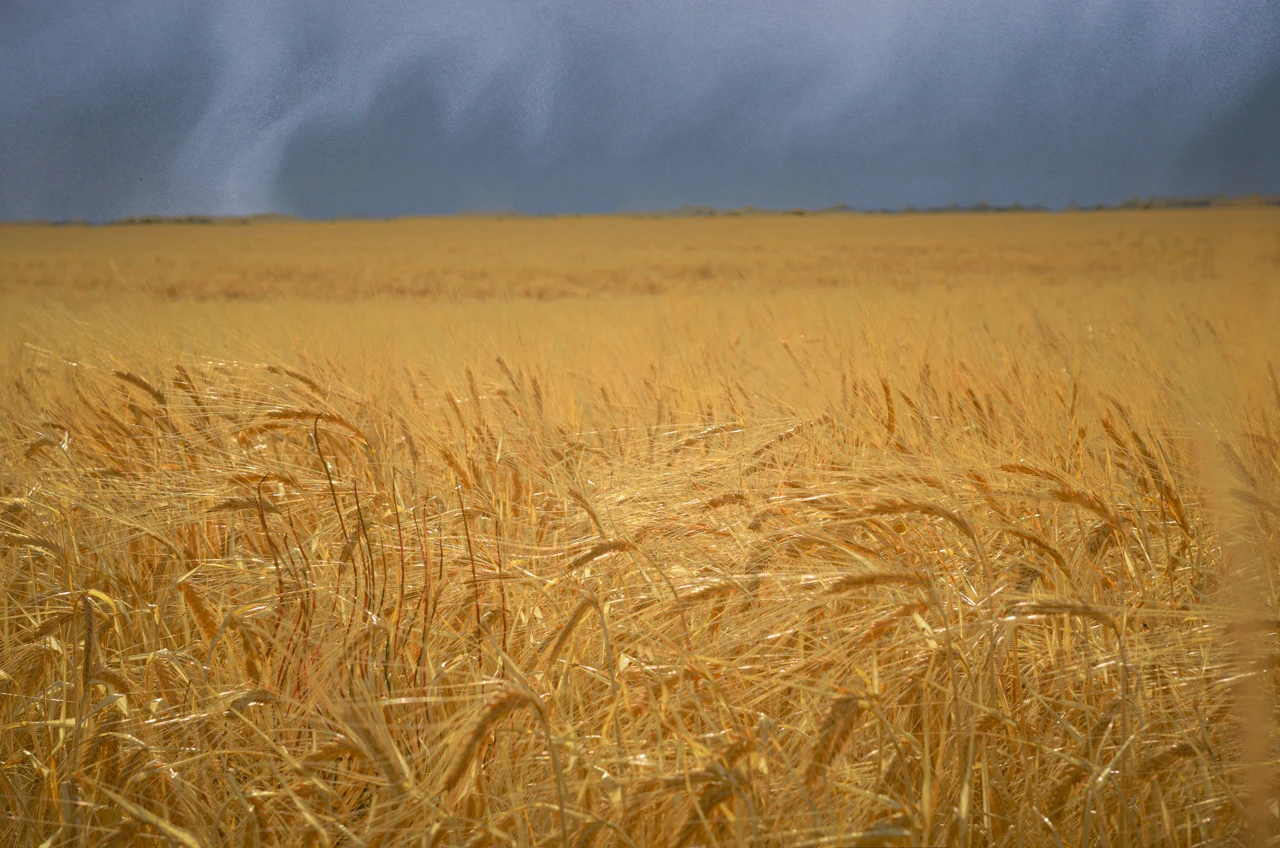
{"points": [[736, 530]]}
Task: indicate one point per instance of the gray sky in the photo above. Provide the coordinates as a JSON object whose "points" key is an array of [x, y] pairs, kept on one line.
{"points": [[319, 108]]}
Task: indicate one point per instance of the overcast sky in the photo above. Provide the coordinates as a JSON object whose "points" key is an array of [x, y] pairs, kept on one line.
{"points": [[318, 108]]}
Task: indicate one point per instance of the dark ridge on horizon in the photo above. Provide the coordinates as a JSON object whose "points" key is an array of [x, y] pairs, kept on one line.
{"points": [[1150, 204]]}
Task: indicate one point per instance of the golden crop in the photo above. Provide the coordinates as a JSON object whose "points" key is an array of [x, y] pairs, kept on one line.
{"points": [[762, 530]]}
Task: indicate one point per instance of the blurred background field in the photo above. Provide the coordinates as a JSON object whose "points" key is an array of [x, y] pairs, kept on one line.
{"points": [[554, 257], [753, 529]]}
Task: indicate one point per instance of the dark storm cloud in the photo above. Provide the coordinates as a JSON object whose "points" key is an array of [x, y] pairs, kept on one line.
{"points": [[327, 108]]}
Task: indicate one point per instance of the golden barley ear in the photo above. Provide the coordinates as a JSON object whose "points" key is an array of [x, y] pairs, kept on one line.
{"points": [[875, 578], [502, 704], [717, 793], [607, 547], [206, 619], [567, 630], [1163, 760], [834, 734], [134, 380]]}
